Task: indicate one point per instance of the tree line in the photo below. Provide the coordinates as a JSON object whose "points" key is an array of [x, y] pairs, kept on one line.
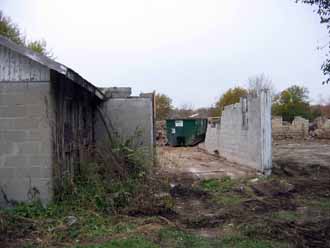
{"points": [[293, 101], [12, 31], [290, 102]]}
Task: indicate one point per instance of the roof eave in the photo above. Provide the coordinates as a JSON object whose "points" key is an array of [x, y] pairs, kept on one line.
{"points": [[53, 65]]}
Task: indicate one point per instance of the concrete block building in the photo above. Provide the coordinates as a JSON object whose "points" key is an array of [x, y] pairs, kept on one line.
{"points": [[48, 118]]}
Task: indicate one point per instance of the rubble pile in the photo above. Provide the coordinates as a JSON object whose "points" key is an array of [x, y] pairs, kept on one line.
{"points": [[161, 138], [298, 129], [320, 128]]}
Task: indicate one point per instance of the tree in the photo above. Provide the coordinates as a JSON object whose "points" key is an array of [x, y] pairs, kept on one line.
{"points": [[40, 46], [12, 32], [260, 82], [230, 97], [292, 102], [323, 10], [163, 106], [184, 111], [204, 112]]}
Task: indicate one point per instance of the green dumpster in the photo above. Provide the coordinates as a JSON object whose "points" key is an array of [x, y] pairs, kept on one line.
{"points": [[185, 132]]}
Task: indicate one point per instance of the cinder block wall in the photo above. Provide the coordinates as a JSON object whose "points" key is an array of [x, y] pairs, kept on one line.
{"points": [[127, 117], [25, 133], [212, 136], [25, 149], [298, 129], [243, 134]]}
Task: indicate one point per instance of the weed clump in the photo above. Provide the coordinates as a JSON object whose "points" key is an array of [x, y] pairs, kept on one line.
{"points": [[85, 205], [222, 185]]}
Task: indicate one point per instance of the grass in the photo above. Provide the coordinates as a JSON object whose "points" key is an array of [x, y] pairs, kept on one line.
{"points": [[52, 222], [223, 191], [245, 242], [324, 203], [173, 238], [97, 221], [133, 242], [316, 203], [222, 185], [228, 200], [321, 203], [89, 208], [286, 215]]}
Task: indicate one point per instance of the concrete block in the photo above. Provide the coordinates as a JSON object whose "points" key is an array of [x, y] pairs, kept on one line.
{"points": [[40, 160], [12, 111], [38, 88], [46, 172], [13, 136], [26, 123], [46, 147], [26, 87], [6, 173], [25, 189], [29, 172], [118, 92], [18, 99], [40, 134], [35, 110], [44, 187], [19, 123], [29, 147], [5, 123], [16, 161], [6, 147], [16, 189]]}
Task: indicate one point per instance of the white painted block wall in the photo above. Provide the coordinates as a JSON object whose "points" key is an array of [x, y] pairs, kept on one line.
{"points": [[246, 143]]}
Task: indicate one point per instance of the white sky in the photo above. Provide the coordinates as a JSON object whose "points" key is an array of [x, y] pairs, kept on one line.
{"points": [[191, 50]]}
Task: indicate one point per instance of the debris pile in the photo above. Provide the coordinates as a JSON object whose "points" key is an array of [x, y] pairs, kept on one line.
{"points": [[320, 128], [161, 138], [298, 129]]}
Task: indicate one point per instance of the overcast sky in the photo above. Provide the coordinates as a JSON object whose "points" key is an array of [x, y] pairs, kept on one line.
{"points": [[191, 50]]}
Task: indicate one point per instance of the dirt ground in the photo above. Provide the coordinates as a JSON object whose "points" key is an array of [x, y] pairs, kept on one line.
{"points": [[293, 205], [194, 162], [194, 199], [198, 164], [304, 153]]}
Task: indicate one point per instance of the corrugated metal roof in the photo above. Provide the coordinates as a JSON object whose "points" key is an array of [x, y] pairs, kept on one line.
{"points": [[51, 64]]}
